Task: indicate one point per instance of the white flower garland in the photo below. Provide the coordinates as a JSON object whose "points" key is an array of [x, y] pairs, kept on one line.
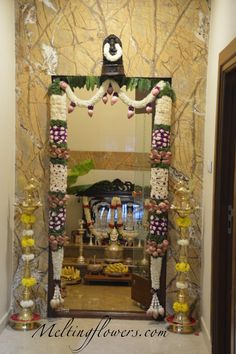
{"points": [[57, 260], [26, 303], [163, 110], [159, 183], [155, 268], [103, 89], [109, 56], [181, 285], [27, 257], [28, 232], [183, 242], [155, 308], [58, 178], [58, 107]]}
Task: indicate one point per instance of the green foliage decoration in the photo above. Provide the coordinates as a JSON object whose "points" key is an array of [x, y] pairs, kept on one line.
{"points": [[92, 82], [80, 169]]}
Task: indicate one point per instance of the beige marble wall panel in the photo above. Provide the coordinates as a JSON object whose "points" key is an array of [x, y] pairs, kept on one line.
{"points": [[160, 38], [105, 160]]}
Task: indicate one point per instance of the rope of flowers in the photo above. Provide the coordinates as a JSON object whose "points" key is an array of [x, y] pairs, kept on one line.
{"points": [[58, 184], [158, 204], [112, 87], [88, 218], [160, 159]]}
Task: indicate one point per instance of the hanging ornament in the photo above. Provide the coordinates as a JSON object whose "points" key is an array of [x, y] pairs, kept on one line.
{"points": [[104, 98], [63, 85], [110, 89], [114, 98], [90, 111], [71, 107], [130, 112], [149, 108], [155, 90], [155, 308]]}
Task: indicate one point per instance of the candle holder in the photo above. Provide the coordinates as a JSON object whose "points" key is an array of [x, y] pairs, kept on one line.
{"points": [[81, 259], [26, 319], [183, 206]]}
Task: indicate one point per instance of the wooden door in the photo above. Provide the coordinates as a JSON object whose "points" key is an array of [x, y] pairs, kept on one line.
{"points": [[224, 230]]}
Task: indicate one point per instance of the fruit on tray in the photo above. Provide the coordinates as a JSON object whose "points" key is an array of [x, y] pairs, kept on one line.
{"points": [[70, 273], [116, 268]]}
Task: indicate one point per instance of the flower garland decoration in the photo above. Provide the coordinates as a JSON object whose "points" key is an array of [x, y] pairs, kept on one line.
{"points": [[28, 282], [89, 221], [160, 157], [109, 87], [182, 267], [58, 183], [109, 56], [180, 307], [158, 205]]}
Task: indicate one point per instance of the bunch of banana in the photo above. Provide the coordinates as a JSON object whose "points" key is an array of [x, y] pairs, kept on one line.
{"points": [[116, 268], [70, 273]]}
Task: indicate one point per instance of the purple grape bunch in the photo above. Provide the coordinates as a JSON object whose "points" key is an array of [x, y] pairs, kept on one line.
{"points": [[57, 219], [158, 226], [58, 135], [160, 138]]}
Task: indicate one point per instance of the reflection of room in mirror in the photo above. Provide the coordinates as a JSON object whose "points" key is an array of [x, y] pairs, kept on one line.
{"points": [[119, 148], [109, 129]]}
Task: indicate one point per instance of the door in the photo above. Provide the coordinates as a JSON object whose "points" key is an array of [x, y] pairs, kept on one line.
{"points": [[224, 230]]}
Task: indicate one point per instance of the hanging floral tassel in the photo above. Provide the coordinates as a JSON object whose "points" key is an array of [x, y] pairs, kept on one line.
{"points": [[114, 98], [71, 107], [148, 108], [130, 112], [57, 299], [155, 90], [155, 308], [90, 111], [57, 260], [104, 98]]}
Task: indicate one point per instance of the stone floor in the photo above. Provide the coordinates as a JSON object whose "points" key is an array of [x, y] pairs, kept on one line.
{"points": [[99, 297], [104, 336]]}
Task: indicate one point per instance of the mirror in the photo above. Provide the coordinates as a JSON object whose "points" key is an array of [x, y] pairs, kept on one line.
{"points": [[119, 149], [105, 267]]}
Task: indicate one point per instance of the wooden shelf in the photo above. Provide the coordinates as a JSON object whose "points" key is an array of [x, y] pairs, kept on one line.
{"points": [[103, 278]]}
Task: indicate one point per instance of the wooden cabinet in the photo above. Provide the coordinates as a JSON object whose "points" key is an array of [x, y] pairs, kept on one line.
{"points": [[140, 290]]}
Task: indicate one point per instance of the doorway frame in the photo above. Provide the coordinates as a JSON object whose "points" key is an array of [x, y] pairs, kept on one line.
{"points": [[223, 253]]}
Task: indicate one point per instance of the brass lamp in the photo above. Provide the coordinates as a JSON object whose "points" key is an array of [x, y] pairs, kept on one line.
{"points": [[181, 322], [26, 319], [81, 259]]}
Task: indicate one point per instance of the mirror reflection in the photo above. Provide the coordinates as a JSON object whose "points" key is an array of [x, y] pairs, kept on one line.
{"points": [[105, 265]]}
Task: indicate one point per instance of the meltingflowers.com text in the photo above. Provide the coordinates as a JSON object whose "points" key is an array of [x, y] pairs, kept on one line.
{"points": [[101, 330]]}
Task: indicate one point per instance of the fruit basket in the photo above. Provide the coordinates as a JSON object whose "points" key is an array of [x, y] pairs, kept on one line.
{"points": [[70, 275], [116, 270]]}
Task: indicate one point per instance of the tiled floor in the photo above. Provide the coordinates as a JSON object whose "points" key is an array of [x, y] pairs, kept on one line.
{"points": [[104, 336]]}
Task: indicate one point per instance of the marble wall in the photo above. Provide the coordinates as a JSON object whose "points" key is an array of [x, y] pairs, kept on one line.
{"points": [[160, 38]]}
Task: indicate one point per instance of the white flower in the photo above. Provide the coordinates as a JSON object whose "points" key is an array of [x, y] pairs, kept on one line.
{"points": [[109, 56], [28, 232], [155, 268], [181, 285], [26, 303], [27, 257], [183, 242]]}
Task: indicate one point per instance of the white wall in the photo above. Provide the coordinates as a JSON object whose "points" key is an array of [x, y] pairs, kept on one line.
{"points": [[222, 32], [7, 148]]}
